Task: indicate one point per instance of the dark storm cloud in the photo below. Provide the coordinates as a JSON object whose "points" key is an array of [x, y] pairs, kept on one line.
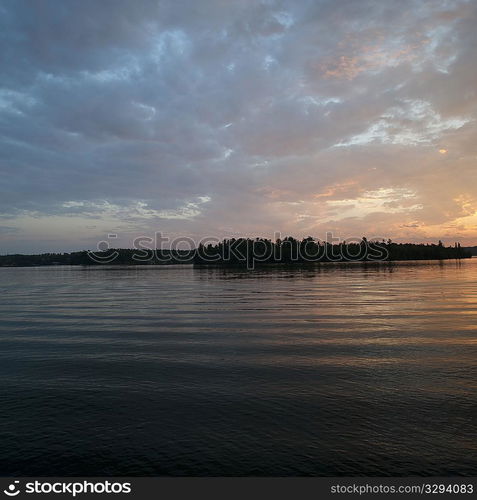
{"points": [[237, 117]]}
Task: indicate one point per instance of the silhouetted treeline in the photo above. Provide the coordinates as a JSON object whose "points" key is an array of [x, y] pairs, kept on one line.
{"points": [[113, 256], [45, 259], [251, 252], [243, 252], [472, 250]]}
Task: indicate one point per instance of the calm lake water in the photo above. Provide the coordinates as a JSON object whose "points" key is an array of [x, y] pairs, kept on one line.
{"points": [[179, 371]]}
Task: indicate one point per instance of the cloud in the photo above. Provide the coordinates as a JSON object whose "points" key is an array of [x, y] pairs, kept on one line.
{"points": [[223, 118]]}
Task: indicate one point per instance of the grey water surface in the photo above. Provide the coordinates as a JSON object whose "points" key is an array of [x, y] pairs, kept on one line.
{"points": [[333, 370]]}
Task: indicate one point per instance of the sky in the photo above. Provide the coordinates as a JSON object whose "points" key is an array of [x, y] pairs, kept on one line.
{"points": [[216, 118]]}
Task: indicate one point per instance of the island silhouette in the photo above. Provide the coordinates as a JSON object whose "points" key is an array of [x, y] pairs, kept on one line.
{"points": [[250, 253]]}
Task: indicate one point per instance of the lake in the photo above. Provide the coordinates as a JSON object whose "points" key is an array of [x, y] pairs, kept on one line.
{"points": [[342, 370]]}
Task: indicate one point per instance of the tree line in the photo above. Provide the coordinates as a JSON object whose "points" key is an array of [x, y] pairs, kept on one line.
{"points": [[247, 252]]}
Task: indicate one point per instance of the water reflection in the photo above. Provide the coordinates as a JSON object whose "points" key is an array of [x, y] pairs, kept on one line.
{"points": [[330, 370]]}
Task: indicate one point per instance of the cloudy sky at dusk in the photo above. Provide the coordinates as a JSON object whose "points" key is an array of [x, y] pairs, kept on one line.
{"points": [[220, 118]]}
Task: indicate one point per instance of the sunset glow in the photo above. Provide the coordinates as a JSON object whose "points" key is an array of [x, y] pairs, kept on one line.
{"points": [[296, 117], [238, 239]]}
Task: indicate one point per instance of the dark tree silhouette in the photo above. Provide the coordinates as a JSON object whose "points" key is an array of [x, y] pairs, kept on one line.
{"points": [[241, 252]]}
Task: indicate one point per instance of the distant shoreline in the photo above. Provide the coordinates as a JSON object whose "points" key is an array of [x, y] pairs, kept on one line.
{"points": [[251, 253]]}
